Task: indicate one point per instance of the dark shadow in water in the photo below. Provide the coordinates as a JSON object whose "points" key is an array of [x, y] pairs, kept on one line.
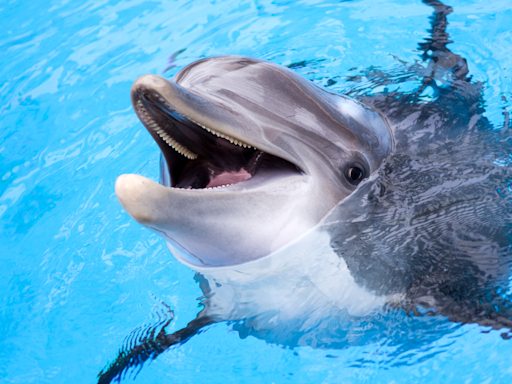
{"points": [[433, 229]]}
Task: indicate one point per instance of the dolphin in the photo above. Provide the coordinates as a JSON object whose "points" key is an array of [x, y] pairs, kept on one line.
{"points": [[255, 156], [309, 215]]}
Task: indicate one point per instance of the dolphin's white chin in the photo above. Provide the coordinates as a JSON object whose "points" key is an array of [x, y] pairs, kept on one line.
{"points": [[304, 280]]}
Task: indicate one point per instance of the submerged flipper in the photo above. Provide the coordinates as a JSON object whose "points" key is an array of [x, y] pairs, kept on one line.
{"points": [[445, 73], [435, 50], [149, 347]]}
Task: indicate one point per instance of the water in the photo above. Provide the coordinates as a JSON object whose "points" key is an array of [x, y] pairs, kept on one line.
{"points": [[78, 275]]}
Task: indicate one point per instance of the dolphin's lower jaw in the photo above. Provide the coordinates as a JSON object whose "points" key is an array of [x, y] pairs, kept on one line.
{"points": [[206, 227]]}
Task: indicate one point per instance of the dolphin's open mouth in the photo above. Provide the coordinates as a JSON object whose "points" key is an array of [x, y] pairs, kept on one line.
{"points": [[199, 157]]}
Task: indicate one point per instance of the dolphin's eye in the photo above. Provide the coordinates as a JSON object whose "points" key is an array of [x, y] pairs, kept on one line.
{"points": [[355, 175]]}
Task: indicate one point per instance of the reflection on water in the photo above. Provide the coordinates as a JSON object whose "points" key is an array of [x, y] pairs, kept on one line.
{"points": [[78, 276]]}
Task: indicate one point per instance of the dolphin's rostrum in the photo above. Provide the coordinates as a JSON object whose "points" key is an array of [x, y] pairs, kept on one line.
{"points": [[274, 188]]}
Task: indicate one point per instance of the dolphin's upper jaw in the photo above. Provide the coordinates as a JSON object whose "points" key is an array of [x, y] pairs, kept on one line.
{"points": [[197, 156]]}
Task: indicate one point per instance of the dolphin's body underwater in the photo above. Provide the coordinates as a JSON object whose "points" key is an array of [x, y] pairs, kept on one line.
{"points": [[300, 207]]}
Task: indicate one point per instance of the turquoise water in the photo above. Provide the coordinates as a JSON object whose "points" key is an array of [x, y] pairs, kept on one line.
{"points": [[78, 275]]}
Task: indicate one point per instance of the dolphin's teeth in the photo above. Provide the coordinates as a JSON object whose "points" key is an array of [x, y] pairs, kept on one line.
{"points": [[173, 143], [165, 137], [221, 135]]}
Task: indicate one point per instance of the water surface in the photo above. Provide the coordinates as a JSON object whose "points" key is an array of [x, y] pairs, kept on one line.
{"points": [[78, 275]]}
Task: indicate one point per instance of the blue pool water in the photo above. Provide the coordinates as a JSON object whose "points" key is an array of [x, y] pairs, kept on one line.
{"points": [[78, 275]]}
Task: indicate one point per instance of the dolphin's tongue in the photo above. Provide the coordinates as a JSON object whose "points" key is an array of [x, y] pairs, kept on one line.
{"points": [[214, 172], [226, 178]]}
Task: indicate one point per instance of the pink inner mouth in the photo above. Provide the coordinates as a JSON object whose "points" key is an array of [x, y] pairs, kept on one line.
{"points": [[226, 178]]}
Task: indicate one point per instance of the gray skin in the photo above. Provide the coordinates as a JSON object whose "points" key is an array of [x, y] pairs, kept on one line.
{"points": [[428, 231], [321, 135]]}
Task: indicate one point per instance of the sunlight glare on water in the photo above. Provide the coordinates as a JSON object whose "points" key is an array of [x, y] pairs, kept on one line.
{"points": [[78, 275]]}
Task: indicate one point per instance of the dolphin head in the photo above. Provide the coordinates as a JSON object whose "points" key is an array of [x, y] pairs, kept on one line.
{"points": [[254, 156]]}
